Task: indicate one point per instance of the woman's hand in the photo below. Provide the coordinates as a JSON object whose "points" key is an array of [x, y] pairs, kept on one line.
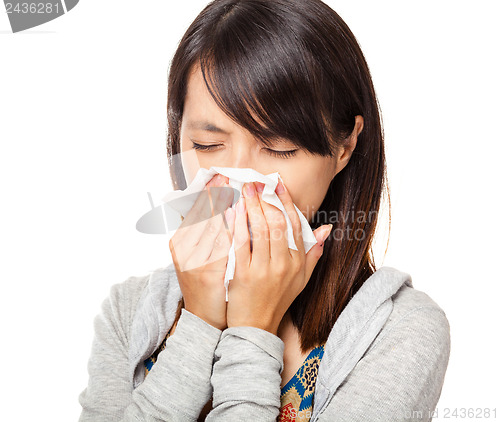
{"points": [[200, 249], [269, 278]]}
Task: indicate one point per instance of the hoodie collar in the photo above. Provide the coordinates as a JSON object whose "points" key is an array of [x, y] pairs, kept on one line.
{"points": [[353, 332]]}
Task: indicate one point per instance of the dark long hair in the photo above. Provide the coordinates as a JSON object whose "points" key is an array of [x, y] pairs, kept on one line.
{"points": [[295, 65]]}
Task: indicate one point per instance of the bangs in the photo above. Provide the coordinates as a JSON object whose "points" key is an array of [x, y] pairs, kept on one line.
{"points": [[262, 77]]}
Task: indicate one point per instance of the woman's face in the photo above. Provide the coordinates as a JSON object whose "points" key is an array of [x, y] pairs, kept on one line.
{"points": [[306, 176]]}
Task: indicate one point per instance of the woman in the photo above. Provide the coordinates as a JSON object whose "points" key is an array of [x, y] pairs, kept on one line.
{"points": [[277, 86]]}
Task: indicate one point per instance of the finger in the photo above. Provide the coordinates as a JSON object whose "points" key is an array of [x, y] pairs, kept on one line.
{"points": [[188, 235], [230, 217], [199, 253], [258, 225], [224, 197], [315, 253], [210, 202], [241, 235], [291, 211], [276, 223], [201, 209], [222, 244]]}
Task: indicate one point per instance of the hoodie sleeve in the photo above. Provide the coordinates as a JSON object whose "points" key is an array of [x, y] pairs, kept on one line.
{"points": [[400, 378], [176, 388], [246, 376]]}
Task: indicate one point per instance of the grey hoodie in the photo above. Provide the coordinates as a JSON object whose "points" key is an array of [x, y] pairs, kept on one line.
{"points": [[385, 358]]}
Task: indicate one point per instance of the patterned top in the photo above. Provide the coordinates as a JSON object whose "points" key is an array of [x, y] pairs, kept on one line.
{"points": [[298, 393], [149, 362], [296, 396]]}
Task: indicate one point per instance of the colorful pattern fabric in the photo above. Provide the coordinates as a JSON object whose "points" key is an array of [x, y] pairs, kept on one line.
{"points": [[296, 396], [149, 362], [298, 393]]}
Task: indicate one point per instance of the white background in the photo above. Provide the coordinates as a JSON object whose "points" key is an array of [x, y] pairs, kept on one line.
{"points": [[83, 133]]}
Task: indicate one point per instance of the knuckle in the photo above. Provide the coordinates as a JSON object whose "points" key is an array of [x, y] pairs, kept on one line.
{"points": [[298, 264], [259, 228], [212, 228], [281, 268], [294, 218], [262, 225], [261, 276], [220, 242], [278, 219], [241, 274], [276, 233]]}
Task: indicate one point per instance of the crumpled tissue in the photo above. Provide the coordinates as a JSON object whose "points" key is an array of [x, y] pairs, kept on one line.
{"points": [[183, 200]]}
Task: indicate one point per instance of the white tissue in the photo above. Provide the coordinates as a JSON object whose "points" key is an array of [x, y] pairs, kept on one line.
{"points": [[184, 201]]}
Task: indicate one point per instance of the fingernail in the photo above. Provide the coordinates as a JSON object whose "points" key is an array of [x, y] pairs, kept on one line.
{"points": [[260, 187], [249, 189], [240, 206], [280, 188]]}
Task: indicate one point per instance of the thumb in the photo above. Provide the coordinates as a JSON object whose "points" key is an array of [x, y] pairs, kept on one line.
{"points": [[322, 233], [314, 254]]}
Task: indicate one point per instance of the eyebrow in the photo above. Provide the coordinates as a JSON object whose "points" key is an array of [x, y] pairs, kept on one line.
{"points": [[206, 126]]}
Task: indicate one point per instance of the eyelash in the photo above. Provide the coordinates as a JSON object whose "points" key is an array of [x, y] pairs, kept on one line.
{"points": [[278, 154]]}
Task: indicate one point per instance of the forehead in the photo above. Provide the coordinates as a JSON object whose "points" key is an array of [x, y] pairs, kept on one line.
{"points": [[199, 105], [196, 83]]}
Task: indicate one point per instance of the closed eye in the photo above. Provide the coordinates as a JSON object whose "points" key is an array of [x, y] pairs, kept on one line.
{"points": [[281, 154], [278, 154]]}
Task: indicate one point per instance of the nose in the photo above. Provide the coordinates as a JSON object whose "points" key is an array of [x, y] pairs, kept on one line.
{"points": [[242, 154], [241, 162]]}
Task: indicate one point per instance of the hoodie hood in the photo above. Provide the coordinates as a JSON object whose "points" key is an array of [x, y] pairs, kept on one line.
{"points": [[352, 334], [356, 328]]}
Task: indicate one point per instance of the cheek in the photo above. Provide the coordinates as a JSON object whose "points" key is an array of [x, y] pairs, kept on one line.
{"points": [[307, 190], [310, 202], [190, 164], [300, 191]]}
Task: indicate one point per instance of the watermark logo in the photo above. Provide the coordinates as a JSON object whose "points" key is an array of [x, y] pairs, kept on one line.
{"points": [[28, 14], [166, 217]]}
